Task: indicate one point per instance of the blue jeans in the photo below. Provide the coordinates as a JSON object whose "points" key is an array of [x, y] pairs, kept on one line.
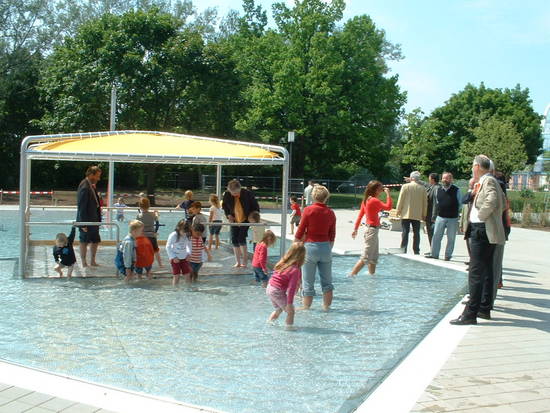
{"points": [[259, 274], [318, 257], [439, 228]]}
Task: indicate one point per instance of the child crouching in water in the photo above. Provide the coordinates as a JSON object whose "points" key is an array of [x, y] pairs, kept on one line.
{"points": [[125, 259], [259, 261], [63, 253], [198, 251], [284, 283], [178, 247]]}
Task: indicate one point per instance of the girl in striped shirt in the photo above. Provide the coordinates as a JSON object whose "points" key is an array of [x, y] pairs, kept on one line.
{"points": [[198, 251]]}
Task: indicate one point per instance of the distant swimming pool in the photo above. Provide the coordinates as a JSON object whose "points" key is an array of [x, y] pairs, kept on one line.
{"points": [[212, 347]]}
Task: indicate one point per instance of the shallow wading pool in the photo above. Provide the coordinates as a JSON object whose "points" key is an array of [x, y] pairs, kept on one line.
{"points": [[213, 347]]}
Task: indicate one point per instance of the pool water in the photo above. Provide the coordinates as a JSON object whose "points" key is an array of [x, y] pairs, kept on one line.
{"points": [[213, 347]]}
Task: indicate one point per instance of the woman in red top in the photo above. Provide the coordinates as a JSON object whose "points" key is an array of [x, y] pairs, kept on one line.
{"points": [[317, 230], [370, 207]]}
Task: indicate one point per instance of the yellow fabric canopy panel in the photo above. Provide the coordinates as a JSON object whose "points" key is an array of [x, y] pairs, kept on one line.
{"points": [[157, 144]]}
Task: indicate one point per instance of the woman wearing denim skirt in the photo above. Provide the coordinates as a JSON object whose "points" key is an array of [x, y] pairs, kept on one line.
{"points": [[317, 230]]}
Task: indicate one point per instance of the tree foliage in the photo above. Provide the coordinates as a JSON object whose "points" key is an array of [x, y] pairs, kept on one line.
{"points": [[330, 83], [451, 127], [499, 139]]}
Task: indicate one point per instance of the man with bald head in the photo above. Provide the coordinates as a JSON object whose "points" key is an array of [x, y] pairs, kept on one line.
{"points": [[447, 199], [486, 231]]}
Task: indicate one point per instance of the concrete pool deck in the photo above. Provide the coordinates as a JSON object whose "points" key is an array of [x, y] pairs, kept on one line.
{"points": [[500, 365]]}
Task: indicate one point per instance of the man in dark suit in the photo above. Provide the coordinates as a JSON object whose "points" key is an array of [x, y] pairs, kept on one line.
{"points": [[89, 210]]}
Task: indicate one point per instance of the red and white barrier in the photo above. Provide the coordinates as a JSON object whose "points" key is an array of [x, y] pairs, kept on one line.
{"points": [[32, 192]]}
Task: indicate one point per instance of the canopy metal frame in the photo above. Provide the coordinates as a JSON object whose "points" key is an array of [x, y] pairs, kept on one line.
{"points": [[30, 151]]}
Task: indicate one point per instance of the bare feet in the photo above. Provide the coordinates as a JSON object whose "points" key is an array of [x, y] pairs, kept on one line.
{"points": [[237, 265], [290, 327], [94, 264], [303, 308], [84, 264], [351, 275], [326, 308], [242, 265]]}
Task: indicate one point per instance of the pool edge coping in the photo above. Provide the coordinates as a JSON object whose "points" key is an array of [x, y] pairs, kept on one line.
{"points": [[86, 392], [405, 384]]}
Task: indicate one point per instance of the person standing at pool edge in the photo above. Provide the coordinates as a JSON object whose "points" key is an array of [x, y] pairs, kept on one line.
{"points": [[317, 230], [89, 210], [237, 204], [370, 207], [412, 206]]}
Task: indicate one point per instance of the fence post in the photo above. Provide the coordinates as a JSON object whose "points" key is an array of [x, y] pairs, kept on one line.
{"points": [[1, 196]]}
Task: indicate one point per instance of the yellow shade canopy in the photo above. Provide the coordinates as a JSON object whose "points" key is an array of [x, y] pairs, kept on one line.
{"points": [[153, 147]]}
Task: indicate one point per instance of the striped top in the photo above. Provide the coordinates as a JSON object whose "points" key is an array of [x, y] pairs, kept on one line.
{"points": [[197, 248]]}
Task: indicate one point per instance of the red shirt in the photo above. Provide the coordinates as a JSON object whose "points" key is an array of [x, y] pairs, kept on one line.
{"points": [[318, 224], [295, 207], [260, 256], [371, 208], [145, 254]]}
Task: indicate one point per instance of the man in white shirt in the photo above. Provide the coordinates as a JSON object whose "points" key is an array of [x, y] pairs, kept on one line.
{"points": [[307, 199]]}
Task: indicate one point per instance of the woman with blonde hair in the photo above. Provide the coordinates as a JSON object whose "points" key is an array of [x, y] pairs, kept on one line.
{"points": [[284, 282], [317, 230], [370, 207]]}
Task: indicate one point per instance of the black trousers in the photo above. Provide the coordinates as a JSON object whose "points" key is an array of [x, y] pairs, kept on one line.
{"points": [[430, 229], [480, 274], [406, 228], [238, 236]]}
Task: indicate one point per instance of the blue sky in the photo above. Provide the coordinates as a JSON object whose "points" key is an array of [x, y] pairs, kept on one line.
{"points": [[448, 43]]}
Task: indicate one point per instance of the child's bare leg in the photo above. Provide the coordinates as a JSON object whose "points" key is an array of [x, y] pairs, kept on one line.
{"points": [[57, 269], [291, 229], [210, 241], [157, 255], [217, 241], [290, 314], [70, 271], [275, 315], [175, 279], [238, 256], [187, 278], [372, 268]]}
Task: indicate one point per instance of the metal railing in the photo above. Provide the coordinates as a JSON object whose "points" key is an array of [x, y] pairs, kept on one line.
{"points": [[78, 224]]}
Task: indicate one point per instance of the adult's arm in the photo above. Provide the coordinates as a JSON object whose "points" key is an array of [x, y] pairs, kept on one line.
{"points": [[82, 204], [227, 203], [400, 201], [490, 201], [254, 205], [459, 196], [294, 275], [424, 203], [362, 212], [466, 198], [302, 228], [332, 228], [386, 206]]}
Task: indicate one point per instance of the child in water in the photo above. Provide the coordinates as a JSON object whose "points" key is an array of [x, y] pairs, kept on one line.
{"points": [[125, 259], [120, 205], [259, 260], [178, 247], [284, 283], [216, 215], [63, 253], [198, 251]]}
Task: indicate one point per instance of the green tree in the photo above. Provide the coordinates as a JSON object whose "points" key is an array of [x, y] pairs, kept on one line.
{"points": [[328, 83], [498, 139]]}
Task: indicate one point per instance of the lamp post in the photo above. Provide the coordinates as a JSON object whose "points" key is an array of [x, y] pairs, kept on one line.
{"points": [[290, 140], [111, 182]]}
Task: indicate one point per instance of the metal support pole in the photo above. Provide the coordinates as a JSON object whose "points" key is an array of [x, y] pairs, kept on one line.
{"points": [[284, 210], [111, 182], [24, 190], [219, 180]]}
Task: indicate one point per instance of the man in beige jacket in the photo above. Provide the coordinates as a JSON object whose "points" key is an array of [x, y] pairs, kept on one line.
{"points": [[486, 231], [411, 207]]}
